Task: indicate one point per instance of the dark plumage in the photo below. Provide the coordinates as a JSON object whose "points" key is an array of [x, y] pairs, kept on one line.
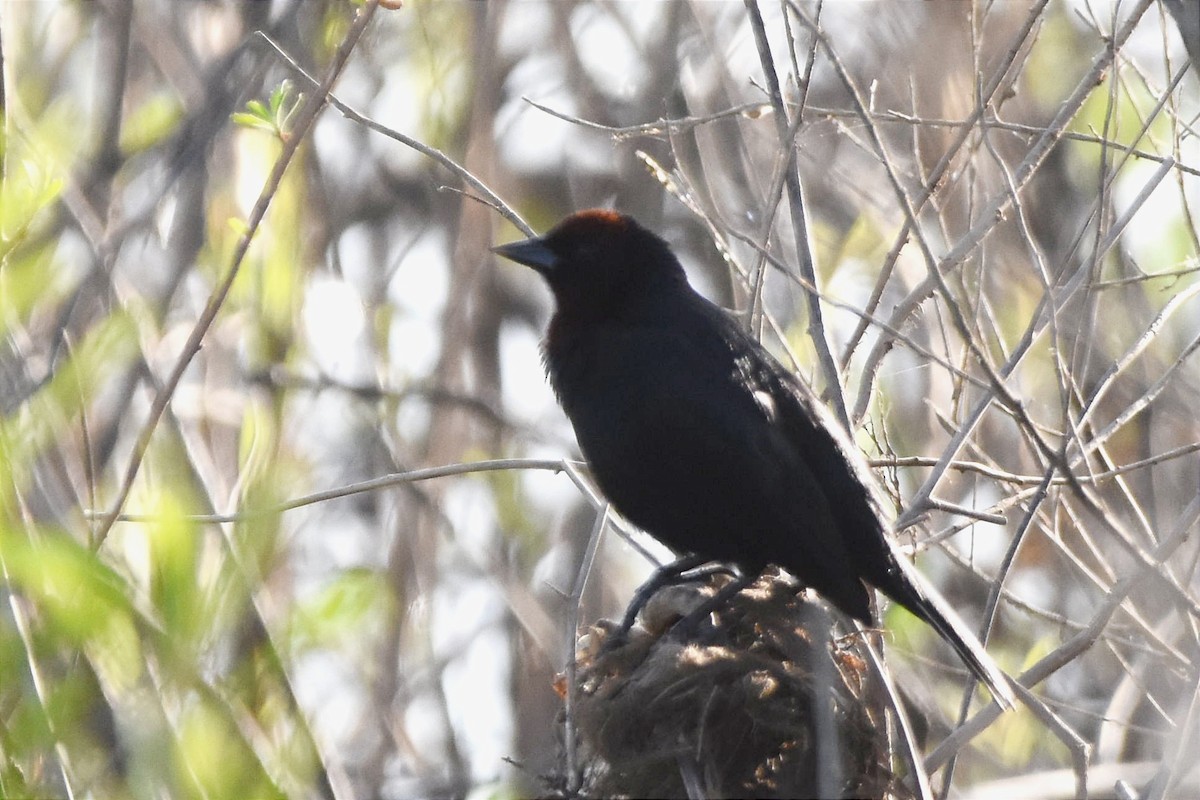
{"points": [[698, 435]]}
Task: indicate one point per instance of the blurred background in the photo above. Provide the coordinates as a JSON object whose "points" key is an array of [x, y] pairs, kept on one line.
{"points": [[1001, 203]]}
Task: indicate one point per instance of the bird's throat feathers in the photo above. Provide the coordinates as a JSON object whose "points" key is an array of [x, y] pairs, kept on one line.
{"points": [[608, 269]]}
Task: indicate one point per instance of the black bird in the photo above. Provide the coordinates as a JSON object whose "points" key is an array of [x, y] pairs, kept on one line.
{"points": [[696, 434]]}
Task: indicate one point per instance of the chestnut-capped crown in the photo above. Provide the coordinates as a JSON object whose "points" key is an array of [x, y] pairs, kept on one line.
{"points": [[597, 258]]}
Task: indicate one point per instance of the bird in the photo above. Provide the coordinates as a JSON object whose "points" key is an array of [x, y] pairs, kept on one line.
{"points": [[695, 433]]}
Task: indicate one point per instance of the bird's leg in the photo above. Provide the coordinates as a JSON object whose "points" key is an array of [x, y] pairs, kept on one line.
{"points": [[688, 623], [707, 572], [666, 575]]}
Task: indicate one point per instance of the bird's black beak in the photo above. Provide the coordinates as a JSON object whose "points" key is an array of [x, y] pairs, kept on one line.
{"points": [[530, 252]]}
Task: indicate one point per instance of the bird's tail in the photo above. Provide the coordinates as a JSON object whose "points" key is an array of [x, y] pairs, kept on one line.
{"points": [[919, 597]]}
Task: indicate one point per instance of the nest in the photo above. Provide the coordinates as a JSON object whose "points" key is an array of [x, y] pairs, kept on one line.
{"points": [[758, 701]]}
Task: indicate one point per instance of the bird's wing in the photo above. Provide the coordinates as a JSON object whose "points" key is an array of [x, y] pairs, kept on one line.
{"points": [[813, 432], [858, 511], [708, 461], [824, 458]]}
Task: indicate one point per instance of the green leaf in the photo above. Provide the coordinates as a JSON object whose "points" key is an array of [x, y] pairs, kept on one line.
{"points": [[81, 597], [150, 123], [251, 121], [279, 96], [353, 605], [257, 108], [174, 545]]}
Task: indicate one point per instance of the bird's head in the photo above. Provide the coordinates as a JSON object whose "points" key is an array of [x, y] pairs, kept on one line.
{"points": [[597, 260]]}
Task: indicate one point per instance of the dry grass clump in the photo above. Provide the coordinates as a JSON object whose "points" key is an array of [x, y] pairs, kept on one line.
{"points": [[759, 701]]}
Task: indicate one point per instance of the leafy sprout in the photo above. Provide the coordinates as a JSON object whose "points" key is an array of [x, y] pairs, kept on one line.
{"points": [[275, 116]]}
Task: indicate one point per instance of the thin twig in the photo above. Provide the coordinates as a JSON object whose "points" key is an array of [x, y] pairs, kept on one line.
{"points": [[994, 208], [796, 204], [1073, 647], [382, 482], [305, 118], [485, 194], [755, 109], [1004, 476], [574, 776]]}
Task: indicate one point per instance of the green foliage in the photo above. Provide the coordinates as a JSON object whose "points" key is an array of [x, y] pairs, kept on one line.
{"points": [[35, 162], [269, 286], [275, 116], [275, 272], [107, 346], [1022, 740], [173, 549], [27, 191], [1119, 116], [83, 599], [441, 50], [264, 483], [150, 123], [863, 243], [107, 681], [159, 662], [1176, 250], [354, 606], [1055, 59], [212, 754], [512, 509]]}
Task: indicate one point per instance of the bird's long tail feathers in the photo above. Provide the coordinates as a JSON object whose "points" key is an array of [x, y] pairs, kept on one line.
{"points": [[927, 603]]}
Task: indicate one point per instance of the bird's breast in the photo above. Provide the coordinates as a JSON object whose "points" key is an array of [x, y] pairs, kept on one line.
{"points": [[649, 398]]}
